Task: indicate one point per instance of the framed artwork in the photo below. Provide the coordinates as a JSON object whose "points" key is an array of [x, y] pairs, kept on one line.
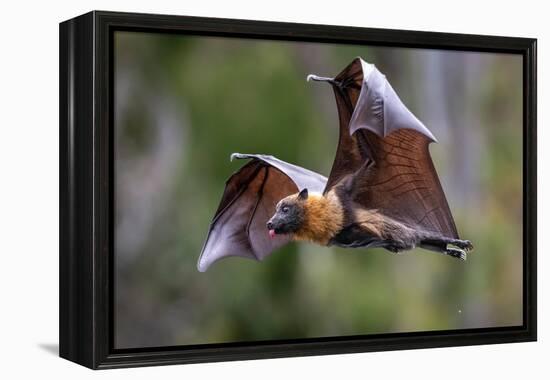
{"points": [[236, 189]]}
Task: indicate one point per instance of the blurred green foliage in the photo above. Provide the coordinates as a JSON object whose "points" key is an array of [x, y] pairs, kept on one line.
{"points": [[184, 103]]}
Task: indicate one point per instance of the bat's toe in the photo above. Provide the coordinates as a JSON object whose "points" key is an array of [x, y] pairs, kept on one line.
{"points": [[464, 244], [456, 253]]}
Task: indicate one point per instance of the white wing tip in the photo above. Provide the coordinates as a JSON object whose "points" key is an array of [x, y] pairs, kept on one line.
{"points": [[237, 156], [317, 78]]}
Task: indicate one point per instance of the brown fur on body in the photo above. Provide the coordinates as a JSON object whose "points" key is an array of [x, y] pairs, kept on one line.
{"points": [[387, 229], [324, 219], [371, 221], [335, 219]]}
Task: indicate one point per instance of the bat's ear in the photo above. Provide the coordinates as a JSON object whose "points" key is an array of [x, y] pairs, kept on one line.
{"points": [[303, 195]]}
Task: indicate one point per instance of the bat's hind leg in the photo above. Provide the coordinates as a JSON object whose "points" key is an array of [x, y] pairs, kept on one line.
{"points": [[441, 245]]}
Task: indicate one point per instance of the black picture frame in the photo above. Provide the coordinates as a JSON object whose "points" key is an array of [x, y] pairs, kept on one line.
{"points": [[86, 189]]}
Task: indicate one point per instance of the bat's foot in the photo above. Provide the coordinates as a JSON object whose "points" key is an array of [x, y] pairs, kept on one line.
{"points": [[457, 253], [462, 244]]}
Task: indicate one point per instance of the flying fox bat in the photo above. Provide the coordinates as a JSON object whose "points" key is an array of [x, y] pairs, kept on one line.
{"points": [[382, 191]]}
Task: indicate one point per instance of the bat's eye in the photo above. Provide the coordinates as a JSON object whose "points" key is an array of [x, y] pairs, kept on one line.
{"points": [[284, 209]]}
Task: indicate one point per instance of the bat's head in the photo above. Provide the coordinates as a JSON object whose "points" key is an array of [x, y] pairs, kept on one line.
{"points": [[289, 214]]}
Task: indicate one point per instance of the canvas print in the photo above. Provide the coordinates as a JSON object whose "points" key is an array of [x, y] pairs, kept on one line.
{"points": [[260, 185]]}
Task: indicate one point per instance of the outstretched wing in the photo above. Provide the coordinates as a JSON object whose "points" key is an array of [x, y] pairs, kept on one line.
{"points": [[383, 151], [249, 199]]}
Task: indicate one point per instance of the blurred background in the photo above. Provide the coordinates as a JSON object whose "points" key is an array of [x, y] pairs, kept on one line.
{"points": [[183, 104]]}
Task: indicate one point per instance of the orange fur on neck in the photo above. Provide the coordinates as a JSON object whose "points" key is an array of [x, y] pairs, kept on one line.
{"points": [[324, 218]]}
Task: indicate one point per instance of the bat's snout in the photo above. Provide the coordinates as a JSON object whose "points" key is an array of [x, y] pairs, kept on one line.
{"points": [[272, 229]]}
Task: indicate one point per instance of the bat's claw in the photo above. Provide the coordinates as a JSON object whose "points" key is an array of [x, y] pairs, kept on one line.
{"points": [[237, 156], [457, 253], [463, 244], [317, 78]]}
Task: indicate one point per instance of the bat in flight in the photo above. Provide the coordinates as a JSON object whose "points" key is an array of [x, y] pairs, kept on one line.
{"points": [[382, 191]]}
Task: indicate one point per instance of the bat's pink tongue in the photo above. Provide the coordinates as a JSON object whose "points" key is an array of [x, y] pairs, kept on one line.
{"points": [[272, 233]]}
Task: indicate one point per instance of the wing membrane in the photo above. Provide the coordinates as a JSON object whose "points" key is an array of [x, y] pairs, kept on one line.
{"points": [[384, 149], [249, 199]]}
